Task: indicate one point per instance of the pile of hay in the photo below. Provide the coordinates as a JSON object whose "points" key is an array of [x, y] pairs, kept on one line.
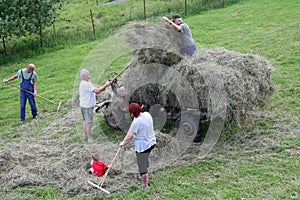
{"points": [[222, 80], [40, 163]]}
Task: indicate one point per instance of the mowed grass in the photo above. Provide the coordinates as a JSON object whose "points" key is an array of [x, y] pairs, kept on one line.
{"points": [[268, 28], [259, 167]]}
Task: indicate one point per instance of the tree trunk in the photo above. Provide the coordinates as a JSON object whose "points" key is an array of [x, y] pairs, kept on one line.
{"points": [[4, 45], [41, 36]]}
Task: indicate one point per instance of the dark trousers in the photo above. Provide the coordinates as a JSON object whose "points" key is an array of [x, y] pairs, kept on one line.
{"points": [[24, 96], [143, 160]]}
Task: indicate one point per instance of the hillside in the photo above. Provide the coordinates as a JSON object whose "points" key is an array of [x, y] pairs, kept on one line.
{"points": [[259, 160]]}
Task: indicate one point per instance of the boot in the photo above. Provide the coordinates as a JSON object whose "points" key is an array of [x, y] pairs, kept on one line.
{"points": [[145, 181], [198, 137]]}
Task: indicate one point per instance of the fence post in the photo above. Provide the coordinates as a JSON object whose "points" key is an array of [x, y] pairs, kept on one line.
{"points": [[92, 19], [185, 11], [145, 10], [130, 13]]}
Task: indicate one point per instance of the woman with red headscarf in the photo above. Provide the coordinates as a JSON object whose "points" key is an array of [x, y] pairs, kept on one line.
{"points": [[141, 129]]}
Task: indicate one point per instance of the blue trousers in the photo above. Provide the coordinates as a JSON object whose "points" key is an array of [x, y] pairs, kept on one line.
{"points": [[24, 96], [190, 50]]}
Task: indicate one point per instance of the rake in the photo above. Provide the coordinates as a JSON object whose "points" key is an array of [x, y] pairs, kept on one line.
{"points": [[99, 186], [48, 100]]}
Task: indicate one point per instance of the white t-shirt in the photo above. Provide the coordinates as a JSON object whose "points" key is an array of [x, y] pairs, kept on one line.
{"points": [[87, 97], [144, 132]]}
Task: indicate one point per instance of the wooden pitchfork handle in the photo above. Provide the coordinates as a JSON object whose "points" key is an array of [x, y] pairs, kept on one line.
{"points": [[119, 74], [105, 175]]}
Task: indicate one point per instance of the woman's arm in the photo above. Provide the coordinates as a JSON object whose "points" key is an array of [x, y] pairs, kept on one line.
{"points": [[127, 138]]}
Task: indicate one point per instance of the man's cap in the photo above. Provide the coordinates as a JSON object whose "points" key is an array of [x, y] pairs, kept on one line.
{"points": [[176, 16]]}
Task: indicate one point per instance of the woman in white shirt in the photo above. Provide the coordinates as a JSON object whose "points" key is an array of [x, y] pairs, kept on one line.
{"points": [[141, 129]]}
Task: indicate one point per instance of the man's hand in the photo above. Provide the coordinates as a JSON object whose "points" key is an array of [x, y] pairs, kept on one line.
{"points": [[5, 80], [166, 19], [108, 83]]}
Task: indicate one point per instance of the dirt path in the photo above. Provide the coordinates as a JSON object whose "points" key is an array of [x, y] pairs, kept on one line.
{"points": [[114, 2]]}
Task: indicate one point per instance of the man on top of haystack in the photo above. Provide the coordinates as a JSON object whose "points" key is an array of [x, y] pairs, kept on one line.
{"points": [[187, 39]]}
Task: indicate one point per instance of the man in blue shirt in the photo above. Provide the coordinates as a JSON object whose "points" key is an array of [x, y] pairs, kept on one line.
{"points": [[28, 90]]}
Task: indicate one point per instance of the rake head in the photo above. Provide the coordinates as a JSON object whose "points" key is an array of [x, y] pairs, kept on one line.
{"points": [[58, 107]]}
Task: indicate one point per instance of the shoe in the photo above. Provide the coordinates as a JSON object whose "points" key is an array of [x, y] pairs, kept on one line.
{"points": [[90, 140], [198, 136], [197, 139], [34, 117], [22, 121], [145, 184]]}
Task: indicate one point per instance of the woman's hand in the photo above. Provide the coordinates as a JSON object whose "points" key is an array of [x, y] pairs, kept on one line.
{"points": [[121, 144]]}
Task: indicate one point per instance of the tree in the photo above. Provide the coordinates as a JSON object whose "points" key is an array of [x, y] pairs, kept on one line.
{"points": [[25, 17], [8, 20], [40, 15]]}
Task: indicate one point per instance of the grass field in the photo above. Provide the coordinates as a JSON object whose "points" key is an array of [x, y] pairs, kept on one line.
{"points": [[258, 161]]}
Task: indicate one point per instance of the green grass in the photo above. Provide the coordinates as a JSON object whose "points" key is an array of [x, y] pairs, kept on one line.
{"points": [[268, 29], [258, 166], [74, 26]]}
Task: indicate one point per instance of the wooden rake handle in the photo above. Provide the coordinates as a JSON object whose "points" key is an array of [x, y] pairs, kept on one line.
{"points": [[105, 175], [48, 100]]}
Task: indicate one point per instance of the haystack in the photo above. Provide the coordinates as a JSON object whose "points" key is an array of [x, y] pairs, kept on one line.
{"points": [[220, 79]]}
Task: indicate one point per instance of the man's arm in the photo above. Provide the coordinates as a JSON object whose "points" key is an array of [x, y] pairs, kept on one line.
{"points": [[34, 89], [175, 26], [10, 79], [102, 88]]}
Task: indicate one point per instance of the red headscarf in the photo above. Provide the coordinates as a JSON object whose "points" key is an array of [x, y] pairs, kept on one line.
{"points": [[135, 109]]}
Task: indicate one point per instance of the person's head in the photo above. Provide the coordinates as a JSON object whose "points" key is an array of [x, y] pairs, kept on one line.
{"points": [[135, 109], [177, 19], [30, 67], [85, 74], [95, 157]]}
